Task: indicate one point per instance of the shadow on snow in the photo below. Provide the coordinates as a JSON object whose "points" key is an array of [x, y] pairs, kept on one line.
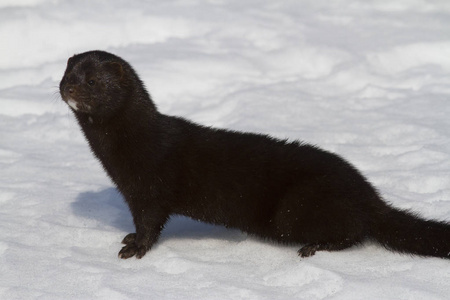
{"points": [[110, 210]]}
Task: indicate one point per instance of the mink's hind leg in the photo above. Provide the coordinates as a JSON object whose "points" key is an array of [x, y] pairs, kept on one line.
{"points": [[310, 249]]}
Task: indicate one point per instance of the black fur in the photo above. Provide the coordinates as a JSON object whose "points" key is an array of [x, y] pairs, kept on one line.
{"points": [[289, 192]]}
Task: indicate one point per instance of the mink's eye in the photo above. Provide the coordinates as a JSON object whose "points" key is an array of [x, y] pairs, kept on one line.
{"points": [[91, 82]]}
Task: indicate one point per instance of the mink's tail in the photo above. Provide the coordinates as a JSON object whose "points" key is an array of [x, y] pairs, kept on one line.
{"points": [[405, 232]]}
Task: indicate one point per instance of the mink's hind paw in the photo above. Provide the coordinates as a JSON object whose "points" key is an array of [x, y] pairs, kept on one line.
{"points": [[308, 250]]}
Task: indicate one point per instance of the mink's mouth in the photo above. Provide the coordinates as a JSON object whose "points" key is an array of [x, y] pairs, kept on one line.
{"points": [[78, 106], [72, 104]]}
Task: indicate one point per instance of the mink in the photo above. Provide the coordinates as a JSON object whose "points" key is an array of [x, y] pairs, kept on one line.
{"points": [[286, 191]]}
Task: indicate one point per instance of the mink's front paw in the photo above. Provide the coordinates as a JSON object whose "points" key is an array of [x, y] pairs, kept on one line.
{"points": [[129, 239], [131, 248]]}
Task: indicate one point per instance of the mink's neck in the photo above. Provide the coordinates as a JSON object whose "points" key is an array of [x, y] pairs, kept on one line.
{"points": [[131, 125], [121, 141]]}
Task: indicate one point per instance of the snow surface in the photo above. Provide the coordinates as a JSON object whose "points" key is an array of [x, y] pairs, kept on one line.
{"points": [[369, 80]]}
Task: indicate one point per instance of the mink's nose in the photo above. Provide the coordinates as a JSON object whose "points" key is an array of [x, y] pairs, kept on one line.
{"points": [[69, 90]]}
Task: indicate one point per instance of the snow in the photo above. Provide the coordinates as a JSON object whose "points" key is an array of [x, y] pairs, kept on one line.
{"points": [[366, 79]]}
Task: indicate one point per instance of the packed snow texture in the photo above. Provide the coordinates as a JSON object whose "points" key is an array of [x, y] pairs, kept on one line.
{"points": [[369, 80]]}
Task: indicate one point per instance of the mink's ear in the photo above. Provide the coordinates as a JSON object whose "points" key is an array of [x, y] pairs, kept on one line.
{"points": [[115, 68]]}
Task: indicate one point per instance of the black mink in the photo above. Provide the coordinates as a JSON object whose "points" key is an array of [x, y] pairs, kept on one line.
{"points": [[289, 192]]}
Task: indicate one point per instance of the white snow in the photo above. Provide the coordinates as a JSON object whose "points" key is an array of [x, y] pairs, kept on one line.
{"points": [[369, 80]]}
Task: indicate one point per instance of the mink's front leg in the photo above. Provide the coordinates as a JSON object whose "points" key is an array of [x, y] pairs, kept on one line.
{"points": [[148, 229]]}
